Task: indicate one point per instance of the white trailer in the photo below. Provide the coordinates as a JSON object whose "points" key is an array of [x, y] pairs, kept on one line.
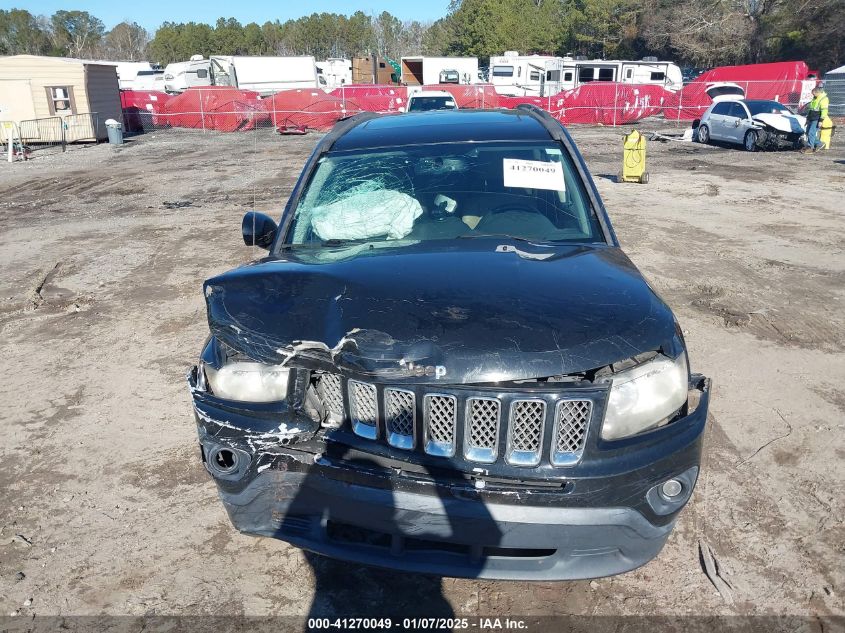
{"points": [[542, 75], [148, 80], [127, 72], [179, 76], [518, 75], [264, 75], [417, 71], [646, 71], [334, 73]]}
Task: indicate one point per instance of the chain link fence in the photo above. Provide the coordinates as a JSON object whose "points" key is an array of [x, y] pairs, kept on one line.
{"points": [[225, 109], [229, 110], [38, 137]]}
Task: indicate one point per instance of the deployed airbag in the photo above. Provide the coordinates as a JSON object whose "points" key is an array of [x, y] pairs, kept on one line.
{"points": [[367, 214]]}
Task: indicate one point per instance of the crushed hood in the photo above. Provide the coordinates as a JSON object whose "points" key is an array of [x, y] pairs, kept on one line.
{"points": [[792, 123], [469, 313]]}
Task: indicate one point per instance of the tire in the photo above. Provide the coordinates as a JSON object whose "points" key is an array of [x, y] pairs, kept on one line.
{"points": [[703, 134], [619, 177], [750, 141], [644, 178]]}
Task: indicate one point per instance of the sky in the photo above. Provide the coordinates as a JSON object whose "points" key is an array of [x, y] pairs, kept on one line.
{"points": [[151, 13]]}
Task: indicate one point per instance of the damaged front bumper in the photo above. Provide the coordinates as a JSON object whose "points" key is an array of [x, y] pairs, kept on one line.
{"points": [[606, 515]]}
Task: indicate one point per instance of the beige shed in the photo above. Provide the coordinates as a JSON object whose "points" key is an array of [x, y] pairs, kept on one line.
{"points": [[52, 99]]}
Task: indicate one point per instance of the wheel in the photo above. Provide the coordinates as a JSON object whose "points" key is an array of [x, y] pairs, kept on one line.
{"points": [[750, 141], [703, 134], [644, 178], [619, 177]]}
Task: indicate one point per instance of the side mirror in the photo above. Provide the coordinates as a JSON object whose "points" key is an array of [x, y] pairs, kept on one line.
{"points": [[258, 229]]}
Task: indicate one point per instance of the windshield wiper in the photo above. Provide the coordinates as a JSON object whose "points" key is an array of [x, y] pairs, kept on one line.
{"points": [[471, 236], [332, 243], [338, 242]]}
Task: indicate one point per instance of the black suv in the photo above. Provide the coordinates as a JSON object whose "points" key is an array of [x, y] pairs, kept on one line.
{"points": [[446, 364]]}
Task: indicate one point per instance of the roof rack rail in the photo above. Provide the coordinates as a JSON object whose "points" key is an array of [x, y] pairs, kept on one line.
{"points": [[551, 124]]}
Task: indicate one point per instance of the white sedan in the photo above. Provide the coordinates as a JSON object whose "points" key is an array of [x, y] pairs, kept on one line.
{"points": [[752, 123]]}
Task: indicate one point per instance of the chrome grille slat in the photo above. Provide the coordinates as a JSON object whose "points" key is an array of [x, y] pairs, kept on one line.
{"points": [[330, 391], [440, 415], [481, 434], [363, 409], [400, 417], [525, 432], [523, 418], [572, 417]]}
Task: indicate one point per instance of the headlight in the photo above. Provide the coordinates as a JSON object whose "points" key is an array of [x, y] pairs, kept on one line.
{"points": [[645, 396], [248, 381]]}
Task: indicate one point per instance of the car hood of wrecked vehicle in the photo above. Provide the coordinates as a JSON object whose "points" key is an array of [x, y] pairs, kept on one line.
{"points": [[478, 312], [794, 123]]}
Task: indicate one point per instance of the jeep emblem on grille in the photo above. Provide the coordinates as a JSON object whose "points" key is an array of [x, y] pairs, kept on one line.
{"points": [[438, 371]]}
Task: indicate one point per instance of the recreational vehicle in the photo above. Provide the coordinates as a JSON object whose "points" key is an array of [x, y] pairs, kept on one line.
{"points": [[646, 71], [148, 80], [264, 75], [542, 75], [419, 71], [518, 75]]}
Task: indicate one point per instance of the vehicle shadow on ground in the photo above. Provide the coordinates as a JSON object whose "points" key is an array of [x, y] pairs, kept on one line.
{"points": [[345, 589]]}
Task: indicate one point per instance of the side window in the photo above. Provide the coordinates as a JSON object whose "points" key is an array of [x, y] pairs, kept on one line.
{"points": [[721, 108], [606, 74], [737, 111], [567, 76], [658, 76], [202, 73], [585, 74], [535, 75], [60, 99], [629, 73]]}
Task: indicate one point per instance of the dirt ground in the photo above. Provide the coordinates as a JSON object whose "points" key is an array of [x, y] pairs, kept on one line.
{"points": [[106, 508]]}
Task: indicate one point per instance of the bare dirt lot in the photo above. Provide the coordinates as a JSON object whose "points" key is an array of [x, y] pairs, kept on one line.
{"points": [[106, 508]]}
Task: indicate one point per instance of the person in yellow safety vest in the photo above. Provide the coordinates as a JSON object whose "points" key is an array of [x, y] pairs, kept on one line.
{"points": [[816, 112]]}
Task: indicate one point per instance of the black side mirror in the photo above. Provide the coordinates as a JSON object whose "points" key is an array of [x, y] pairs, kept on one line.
{"points": [[258, 229]]}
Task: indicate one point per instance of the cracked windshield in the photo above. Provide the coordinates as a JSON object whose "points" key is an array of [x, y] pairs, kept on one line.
{"points": [[444, 192]]}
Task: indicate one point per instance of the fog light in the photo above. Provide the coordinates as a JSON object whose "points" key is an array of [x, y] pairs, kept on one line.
{"points": [[671, 488]]}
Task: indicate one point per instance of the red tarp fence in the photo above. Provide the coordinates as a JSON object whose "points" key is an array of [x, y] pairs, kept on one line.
{"points": [[599, 103], [142, 109], [216, 108], [229, 109], [785, 82]]}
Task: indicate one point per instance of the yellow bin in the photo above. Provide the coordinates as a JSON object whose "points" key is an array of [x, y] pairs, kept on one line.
{"points": [[826, 132], [633, 158]]}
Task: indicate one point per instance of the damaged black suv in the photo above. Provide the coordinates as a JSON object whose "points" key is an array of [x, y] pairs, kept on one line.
{"points": [[446, 364]]}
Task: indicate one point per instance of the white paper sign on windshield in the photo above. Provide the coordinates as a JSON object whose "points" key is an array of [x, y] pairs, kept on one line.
{"points": [[534, 174]]}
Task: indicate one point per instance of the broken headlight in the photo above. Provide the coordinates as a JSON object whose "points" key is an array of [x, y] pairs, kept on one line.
{"points": [[645, 397], [248, 381]]}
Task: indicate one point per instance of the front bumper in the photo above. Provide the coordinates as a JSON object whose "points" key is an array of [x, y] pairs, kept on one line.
{"points": [[359, 507]]}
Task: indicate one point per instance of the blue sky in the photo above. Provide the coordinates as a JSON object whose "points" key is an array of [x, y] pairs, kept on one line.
{"points": [[151, 13]]}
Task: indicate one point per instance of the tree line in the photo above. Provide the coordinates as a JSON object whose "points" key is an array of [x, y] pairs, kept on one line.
{"points": [[692, 32]]}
